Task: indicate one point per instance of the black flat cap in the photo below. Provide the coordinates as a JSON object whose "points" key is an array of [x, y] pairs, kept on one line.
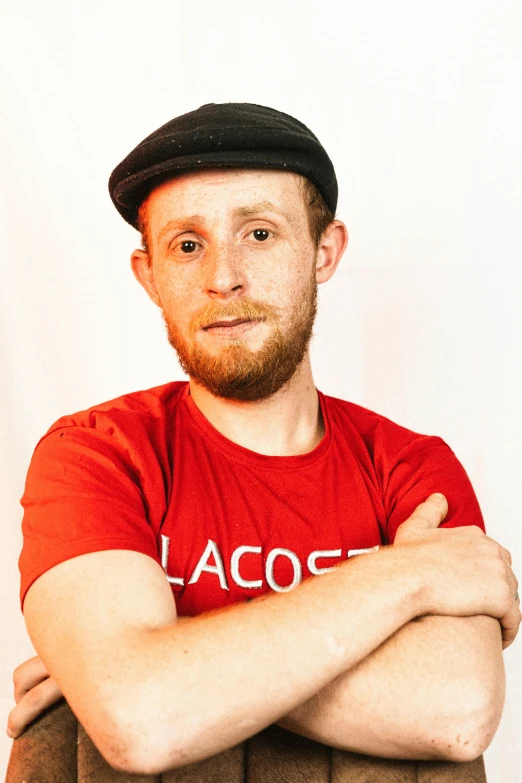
{"points": [[221, 135]]}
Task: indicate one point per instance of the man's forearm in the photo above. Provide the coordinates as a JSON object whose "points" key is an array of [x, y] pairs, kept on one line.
{"points": [[165, 696], [244, 683], [435, 689], [156, 693]]}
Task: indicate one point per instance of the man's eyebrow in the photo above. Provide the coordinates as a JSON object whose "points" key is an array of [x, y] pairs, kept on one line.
{"points": [[255, 209], [187, 222]]}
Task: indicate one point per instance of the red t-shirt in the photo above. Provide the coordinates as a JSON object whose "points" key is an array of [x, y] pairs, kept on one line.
{"points": [[148, 472]]}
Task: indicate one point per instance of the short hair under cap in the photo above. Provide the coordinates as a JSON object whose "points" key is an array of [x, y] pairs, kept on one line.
{"points": [[221, 135]]}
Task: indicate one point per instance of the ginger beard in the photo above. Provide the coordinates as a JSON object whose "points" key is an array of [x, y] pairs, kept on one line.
{"points": [[235, 371]]}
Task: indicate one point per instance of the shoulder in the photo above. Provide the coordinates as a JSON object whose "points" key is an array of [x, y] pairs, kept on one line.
{"points": [[136, 415], [409, 466], [377, 433], [130, 434]]}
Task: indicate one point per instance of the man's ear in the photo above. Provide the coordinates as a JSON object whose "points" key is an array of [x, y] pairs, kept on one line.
{"points": [[141, 264], [331, 248]]}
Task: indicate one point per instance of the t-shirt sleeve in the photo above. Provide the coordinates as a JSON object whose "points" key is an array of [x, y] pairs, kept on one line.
{"points": [[82, 494], [424, 466]]}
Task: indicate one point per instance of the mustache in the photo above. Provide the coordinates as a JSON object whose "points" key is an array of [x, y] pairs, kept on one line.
{"points": [[244, 309]]}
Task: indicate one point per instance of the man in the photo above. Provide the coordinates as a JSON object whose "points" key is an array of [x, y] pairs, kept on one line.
{"points": [[203, 559]]}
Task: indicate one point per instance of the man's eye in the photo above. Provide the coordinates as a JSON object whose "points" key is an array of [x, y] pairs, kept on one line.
{"points": [[188, 246], [261, 234]]}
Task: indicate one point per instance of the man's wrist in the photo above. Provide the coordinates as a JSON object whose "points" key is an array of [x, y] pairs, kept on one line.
{"points": [[412, 575], [389, 574]]}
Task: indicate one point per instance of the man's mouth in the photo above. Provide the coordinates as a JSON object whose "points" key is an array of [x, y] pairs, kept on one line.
{"points": [[231, 328], [233, 322]]}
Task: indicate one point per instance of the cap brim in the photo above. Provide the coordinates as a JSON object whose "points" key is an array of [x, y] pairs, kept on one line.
{"points": [[134, 189]]}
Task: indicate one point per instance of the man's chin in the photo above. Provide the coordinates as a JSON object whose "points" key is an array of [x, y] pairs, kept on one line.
{"points": [[235, 380], [236, 390], [237, 373], [252, 366]]}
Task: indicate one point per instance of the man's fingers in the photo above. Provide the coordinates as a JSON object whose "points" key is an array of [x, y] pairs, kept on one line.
{"points": [[27, 676], [506, 554], [427, 515], [510, 624], [430, 513], [31, 705]]}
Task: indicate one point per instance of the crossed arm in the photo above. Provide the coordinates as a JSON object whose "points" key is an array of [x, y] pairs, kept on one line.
{"points": [[433, 690], [340, 659]]}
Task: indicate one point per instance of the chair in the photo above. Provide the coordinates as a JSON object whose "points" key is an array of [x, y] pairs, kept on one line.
{"points": [[56, 749]]}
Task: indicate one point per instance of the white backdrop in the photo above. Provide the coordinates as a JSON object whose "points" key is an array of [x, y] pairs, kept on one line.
{"points": [[418, 104]]}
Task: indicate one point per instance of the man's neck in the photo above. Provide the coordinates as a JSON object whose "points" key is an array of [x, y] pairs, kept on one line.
{"points": [[285, 424]]}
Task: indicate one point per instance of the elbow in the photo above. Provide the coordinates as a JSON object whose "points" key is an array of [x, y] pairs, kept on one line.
{"points": [[137, 737], [470, 732], [127, 757], [461, 746], [143, 745], [136, 761], [138, 755], [124, 750]]}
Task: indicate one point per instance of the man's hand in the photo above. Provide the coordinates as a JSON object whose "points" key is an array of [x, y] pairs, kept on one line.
{"points": [[468, 572], [34, 692], [435, 689]]}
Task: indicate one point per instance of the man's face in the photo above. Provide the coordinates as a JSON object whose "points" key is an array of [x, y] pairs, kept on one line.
{"points": [[233, 270]]}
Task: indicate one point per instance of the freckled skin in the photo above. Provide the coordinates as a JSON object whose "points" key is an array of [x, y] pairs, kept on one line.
{"points": [[231, 263], [218, 217]]}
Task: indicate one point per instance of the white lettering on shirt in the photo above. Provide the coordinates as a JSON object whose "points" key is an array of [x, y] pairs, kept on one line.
{"points": [[237, 554], [203, 565], [353, 552], [165, 546], [296, 563], [313, 557], [212, 549]]}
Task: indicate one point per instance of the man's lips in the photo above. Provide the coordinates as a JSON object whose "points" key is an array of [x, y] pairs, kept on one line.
{"points": [[233, 328], [235, 322]]}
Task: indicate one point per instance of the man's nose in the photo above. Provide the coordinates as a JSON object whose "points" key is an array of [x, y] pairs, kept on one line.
{"points": [[224, 271]]}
